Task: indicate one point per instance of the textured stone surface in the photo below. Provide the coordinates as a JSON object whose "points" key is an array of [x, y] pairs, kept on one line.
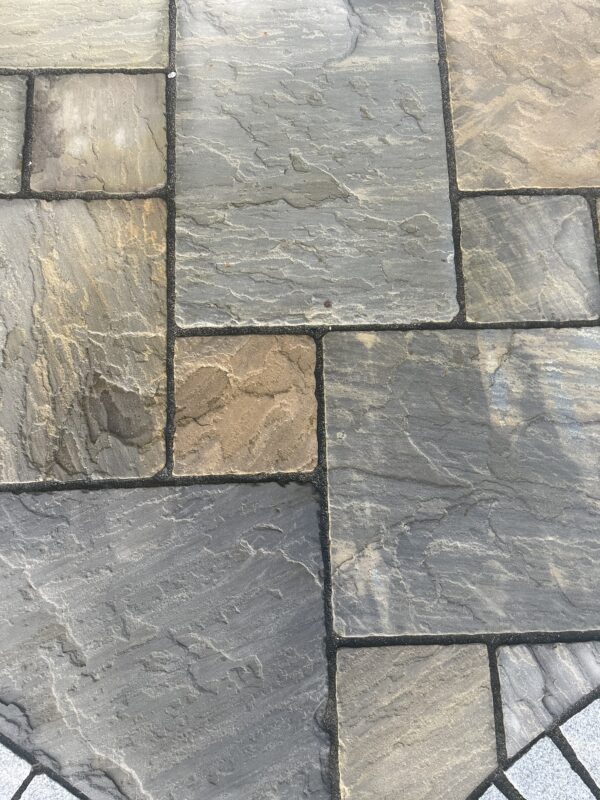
{"points": [[13, 89], [463, 477], [44, 788], [13, 771], [82, 336], [166, 643], [245, 404], [544, 774], [96, 132], [312, 180], [529, 258], [539, 683], [415, 719], [493, 794], [109, 33], [525, 96], [583, 734]]}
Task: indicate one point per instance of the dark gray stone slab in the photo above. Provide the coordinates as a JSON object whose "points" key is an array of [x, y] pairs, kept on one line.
{"points": [[168, 642], [543, 773], [464, 480], [582, 732], [312, 182]]}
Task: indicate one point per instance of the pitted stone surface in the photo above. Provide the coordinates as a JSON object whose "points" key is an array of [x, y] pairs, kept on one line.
{"points": [[312, 179], [96, 132], [525, 96], [13, 771], [529, 258], [166, 642], [539, 683], [110, 33], [13, 90], [245, 404], [44, 788], [415, 721], [463, 480], [82, 336], [543, 773]]}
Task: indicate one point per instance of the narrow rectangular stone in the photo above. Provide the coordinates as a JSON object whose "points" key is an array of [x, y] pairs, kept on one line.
{"points": [[582, 732], [312, 183], [83, 329], [13, 771], [13, 90], [543, 773], [463, 480]]}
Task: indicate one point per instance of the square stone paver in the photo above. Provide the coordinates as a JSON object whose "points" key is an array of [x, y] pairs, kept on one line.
{"points": [[525, 90], [13, 90], [529, 258], [463, 480], [82, 333], [99, 132], [312, 182], [414, 722], [245, 404]]}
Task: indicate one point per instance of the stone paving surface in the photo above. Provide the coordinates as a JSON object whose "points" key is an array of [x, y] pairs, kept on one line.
{"points": [[13, 89]]}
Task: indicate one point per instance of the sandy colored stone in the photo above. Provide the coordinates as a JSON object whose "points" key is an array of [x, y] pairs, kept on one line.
{"points": [[97, 132], [82, 337], [529, 258], [525, 89], [13, 90], [76, 33], [245, 404], [415, 722]]}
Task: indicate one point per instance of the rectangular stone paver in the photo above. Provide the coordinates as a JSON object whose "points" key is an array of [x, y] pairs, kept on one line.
{"points": [[99, 132], [463, 480], [414, 722], [71, 33], [311, 169], [245, 404], [13, 90], [166, 642], [82, 333]]}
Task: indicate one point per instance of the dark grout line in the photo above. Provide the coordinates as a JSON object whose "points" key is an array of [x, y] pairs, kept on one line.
{"points": [[27, 139], [490, 639], [507, 788], [531, 191], [558, 738], [33, 71], [20, 791], [27, 194], [497, 705]]}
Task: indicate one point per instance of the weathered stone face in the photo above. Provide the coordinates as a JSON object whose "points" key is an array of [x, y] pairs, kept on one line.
{"points": [[415, 720], [95, 132], [112, 33], [463, 480], [311, 170], [529, 258], [166, 642], [13, 89], [525, 95], [245, 404], [82, 333]]}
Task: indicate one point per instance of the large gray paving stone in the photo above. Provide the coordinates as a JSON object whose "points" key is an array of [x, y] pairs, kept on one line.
{"points": [[312, 182], [13, 90], [463, 480], [167, 643]]}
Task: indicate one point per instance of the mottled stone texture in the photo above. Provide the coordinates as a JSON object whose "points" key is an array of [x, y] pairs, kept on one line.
{"points": [[583, 734], [525, 92], [463, 476], [13, 771], [99, 132], [13, 89], [166, 643], [539, 683], [44, 788], [493, 794], [529, 258], [82, 335], [414, 722], [245, 404], [72, 33], [543, 773], [311, 170]]}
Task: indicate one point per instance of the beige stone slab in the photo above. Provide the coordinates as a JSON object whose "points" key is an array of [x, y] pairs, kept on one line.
{"points": [[245, 404], [36, 34], [414, 722], [96, 132], [525, 87], [82, 337], [13, 90]]}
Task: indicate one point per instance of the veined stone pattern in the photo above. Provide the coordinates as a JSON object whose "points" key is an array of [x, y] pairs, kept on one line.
{"points": [[13, 89], [312, 183]]}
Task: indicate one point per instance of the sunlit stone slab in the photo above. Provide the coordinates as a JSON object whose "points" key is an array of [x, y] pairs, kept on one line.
{"points": [[13, 89]]}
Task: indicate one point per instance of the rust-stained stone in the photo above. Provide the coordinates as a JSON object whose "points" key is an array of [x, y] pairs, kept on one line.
{"points": [[82, 336], [95, 132], [13, 89], [245, 404]]}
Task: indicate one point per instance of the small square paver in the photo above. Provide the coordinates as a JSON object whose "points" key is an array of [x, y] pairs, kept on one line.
{"points": [[529, 258], [245, 404], [582, 732], [13, 771], [13, 91], [543, 773], [463, 480], [415, 722], [95, 132]]}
